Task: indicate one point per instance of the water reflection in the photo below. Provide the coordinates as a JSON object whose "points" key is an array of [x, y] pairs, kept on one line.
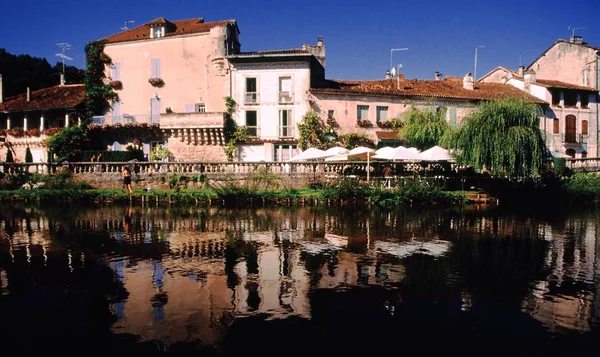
{"points": [[213, 277]]}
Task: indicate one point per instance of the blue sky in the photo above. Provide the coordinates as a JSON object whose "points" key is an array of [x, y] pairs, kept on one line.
{"points": [[358, 35]]}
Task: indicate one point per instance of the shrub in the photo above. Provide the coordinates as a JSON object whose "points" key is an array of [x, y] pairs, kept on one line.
{"points": [[28, 155]]}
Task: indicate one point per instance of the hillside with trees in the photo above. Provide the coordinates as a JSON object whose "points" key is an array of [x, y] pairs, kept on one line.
{"points": [[22, 71]]}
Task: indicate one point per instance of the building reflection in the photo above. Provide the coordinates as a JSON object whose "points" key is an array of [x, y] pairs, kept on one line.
{"points": [[188, 275]]}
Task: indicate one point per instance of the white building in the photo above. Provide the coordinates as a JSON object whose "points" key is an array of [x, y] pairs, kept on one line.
{"points": [[270, 89]]}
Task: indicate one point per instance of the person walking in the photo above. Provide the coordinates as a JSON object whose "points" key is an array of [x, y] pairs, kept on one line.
{"points": [[127, 179]]}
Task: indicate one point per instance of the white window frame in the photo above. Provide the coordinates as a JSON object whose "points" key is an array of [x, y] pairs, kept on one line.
{"points": [[360, 109], [256, 127], [200, 108], [290, 151], [286, 92], [250, 97], [286, 131], [381, 109]]}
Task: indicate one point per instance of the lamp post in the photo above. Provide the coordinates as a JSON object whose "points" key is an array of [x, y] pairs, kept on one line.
{"points": [[392, 52], [475, 69]]}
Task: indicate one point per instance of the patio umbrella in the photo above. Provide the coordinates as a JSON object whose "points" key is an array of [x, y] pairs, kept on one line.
{"points": [[403, 153], [436, 153], [336, 150], [309, 154], [363, 152]]}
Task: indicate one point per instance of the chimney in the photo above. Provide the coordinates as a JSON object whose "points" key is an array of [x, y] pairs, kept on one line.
{"points": [[62, 79], [1, 94], [438, 76], [576, 39], [28, 94], [529, 78], [388, 75], [468, 82], [521, 70], [320, 41]]}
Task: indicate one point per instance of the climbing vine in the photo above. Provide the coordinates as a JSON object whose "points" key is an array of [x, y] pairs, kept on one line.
{"points": [[69, 143], [234, 134]]}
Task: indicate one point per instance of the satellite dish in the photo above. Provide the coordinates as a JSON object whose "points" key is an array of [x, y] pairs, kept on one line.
{"points": [[393, 71]]}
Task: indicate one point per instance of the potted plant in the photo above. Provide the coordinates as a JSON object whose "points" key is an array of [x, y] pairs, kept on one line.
{"points": [[364, 123], [157, 82]]}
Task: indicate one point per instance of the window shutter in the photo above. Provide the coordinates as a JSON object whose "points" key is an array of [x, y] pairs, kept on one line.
{"points": [[285, 84], [156, 68]]}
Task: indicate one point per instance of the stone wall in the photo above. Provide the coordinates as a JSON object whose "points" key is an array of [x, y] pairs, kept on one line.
{"points": [[183, 151]]}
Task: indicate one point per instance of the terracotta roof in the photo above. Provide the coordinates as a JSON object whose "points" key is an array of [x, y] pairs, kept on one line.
{"points": [[450, 87], [558, 84], [57, 97], [176, 28], [293, 51]]}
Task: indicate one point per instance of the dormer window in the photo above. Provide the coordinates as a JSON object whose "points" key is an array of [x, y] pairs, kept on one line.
{"points": [[157, 31]]}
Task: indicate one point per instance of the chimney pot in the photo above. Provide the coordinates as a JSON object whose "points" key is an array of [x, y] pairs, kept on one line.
{"points": [[28, 94], [62, 79], [388, 75], [1, 94], [320, 41], [521, 71], [468, 82]]}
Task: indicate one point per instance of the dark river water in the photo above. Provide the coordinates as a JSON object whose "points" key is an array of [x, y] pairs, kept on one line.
{"points": [[214, 281]]}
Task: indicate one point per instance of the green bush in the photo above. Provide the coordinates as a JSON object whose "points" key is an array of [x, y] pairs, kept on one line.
{"points": [[28, 155], [9, 156]]}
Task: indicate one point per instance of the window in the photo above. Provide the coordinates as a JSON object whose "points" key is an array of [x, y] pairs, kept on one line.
{"points": [[285, 90], [155, 68], [157, 31], [251, 93], [252, 123], [584, 127], [570, 99], [330, 113], [286, 124], [200, 108], [555, 98], [583, 155], [362, 112], [556, 128], [382, 113], [116, 71], [283, 153], [585, 101]]}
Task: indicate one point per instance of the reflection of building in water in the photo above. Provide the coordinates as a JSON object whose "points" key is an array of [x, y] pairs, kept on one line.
{"points": [[565, 300], [188, 278]]}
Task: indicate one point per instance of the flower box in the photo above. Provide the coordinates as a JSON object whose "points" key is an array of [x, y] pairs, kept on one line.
{"points": [[384, 124], [157, 82], [364, 123]]}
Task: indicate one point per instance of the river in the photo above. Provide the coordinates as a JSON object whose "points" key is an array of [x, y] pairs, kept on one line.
{"points": [[297, 281]]}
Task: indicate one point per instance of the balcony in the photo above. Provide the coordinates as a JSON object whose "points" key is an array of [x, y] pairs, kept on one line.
{"points": [[574, 138], [286, 98], [251, 98], [286, 131]]}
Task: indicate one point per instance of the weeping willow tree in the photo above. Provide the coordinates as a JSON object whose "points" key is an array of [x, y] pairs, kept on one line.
{"points": [[423, 128], [503, 137]]}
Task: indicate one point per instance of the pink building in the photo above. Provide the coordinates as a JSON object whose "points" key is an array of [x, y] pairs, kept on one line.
{"points": [[367, 107], [174, 73], [567, 76]]}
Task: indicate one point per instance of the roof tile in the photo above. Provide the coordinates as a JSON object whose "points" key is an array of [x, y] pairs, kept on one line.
{"points": [[57, 97], [450, 87]]}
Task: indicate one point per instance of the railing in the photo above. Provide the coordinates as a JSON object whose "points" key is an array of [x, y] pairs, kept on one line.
{"points": [[251, 98], [574, 138], [126, 119], [322, 169], [285, 97]]}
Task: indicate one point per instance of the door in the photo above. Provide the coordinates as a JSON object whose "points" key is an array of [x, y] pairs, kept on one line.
{"points": [[571, 129]]}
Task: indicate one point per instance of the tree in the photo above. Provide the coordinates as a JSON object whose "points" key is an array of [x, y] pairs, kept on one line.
{"points": [[28, 155], [423, 128], [313, 132], [9, 155], [503, 137]]}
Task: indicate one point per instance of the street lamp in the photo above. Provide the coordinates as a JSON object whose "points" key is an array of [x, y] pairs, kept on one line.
{"points": [[392, 52], [475, 69]]}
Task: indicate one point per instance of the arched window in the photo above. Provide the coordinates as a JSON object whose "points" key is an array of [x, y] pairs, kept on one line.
{"points": [[584, 155], [570, 152], [584, 127]]}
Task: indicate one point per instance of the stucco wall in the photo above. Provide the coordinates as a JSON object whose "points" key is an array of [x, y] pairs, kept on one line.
{"points": [[188, 67], [568, 62]]}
